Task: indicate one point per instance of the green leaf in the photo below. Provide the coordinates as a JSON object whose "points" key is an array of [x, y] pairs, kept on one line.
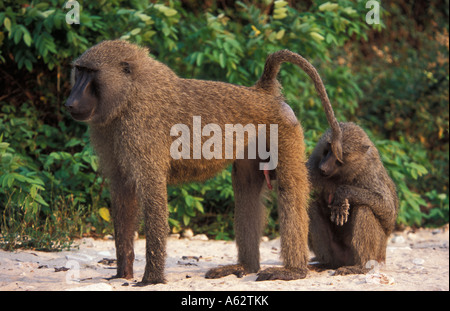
{"points": [[279, 13], [135, 31], [143, 17], [7, 24], [189, 200], [28, 65], [350, 11], [17, 34], [316, 36], [199, 207], [327, 6], [186, 219], [330, 38], [280, 4], [280, 34], [40, 200], [27, 38], [199, 60], [8, 180], [222, 60], [41, 6], [33, 191], [170, 12]]}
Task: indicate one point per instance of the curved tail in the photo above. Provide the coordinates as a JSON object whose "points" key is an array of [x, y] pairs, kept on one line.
{"points": [[268, 82]]}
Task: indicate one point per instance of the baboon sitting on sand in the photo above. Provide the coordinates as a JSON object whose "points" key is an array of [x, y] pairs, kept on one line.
{"points": [[355, 202]]}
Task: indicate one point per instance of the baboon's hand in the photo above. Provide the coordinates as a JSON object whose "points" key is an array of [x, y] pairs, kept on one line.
{"points": [[339, 213]]}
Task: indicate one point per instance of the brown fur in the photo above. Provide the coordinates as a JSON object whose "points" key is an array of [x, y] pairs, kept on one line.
{"points": [[355, 204], [131, 101]]}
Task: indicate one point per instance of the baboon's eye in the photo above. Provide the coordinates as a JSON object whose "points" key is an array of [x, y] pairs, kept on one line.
{"points": [[125, 67], [325, 152], [339, 164]]}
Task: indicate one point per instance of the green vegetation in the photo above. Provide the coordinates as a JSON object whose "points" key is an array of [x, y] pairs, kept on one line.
{"points": [[391, 78]]}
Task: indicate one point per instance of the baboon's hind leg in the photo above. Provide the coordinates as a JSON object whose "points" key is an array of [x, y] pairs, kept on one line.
{"points": [[293, 193], [330, 253], [368, 243], [249, 216]]}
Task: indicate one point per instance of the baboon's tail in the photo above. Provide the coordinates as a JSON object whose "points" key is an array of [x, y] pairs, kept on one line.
{"points": [[268, 81]]}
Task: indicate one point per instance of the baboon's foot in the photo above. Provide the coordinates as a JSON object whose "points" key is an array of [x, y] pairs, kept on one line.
{"points": [[318, 267], [285, 274], [127, 276], [150, 282], [346, 270], [220, 272]]}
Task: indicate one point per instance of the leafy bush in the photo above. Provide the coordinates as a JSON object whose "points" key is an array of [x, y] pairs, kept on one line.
{"points": [[51, 190]]}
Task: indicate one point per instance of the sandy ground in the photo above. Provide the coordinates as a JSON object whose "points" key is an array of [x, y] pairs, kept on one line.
{"points": [[416, 261]]}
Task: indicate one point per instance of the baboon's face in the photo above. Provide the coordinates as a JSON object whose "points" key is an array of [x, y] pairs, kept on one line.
{"points": [[358, 152], [355, 147], [98, 92], [83, 99], [102, 79], [329, 165]]}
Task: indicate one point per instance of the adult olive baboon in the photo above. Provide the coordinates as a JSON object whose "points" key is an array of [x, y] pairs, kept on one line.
{"points": [[355, 203], [135, 104]]}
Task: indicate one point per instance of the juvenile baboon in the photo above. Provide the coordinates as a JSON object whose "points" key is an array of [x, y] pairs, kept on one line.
{"points": [[132, 103], [355, 204]]}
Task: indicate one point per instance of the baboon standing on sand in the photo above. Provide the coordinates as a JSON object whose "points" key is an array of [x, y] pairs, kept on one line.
{"points": [[355, 204], [132, 101]]}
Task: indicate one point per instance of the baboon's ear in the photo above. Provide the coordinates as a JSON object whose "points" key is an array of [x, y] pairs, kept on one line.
{"points": [[363, 148], [127, 67]]}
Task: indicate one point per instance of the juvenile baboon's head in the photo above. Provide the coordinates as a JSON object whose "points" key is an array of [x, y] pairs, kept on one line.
{"points": [[357, 149], [105, 79]]}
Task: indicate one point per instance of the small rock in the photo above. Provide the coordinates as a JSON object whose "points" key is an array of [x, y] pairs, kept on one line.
{"points": [[79, 257], [264, 239], [88, 242], [379, 278], [188, 233], [61, 269], [200, 237], [398, 239], [196, 258], [108, 262], [188, 261], [174, 236], [418, 261], [436, 231], [412, 236], [108, 237], [104, 254]]}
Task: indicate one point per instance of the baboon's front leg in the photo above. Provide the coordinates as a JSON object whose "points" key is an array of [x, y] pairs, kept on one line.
{"points": [[153, 195], [124, 212], [339, 213]]}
